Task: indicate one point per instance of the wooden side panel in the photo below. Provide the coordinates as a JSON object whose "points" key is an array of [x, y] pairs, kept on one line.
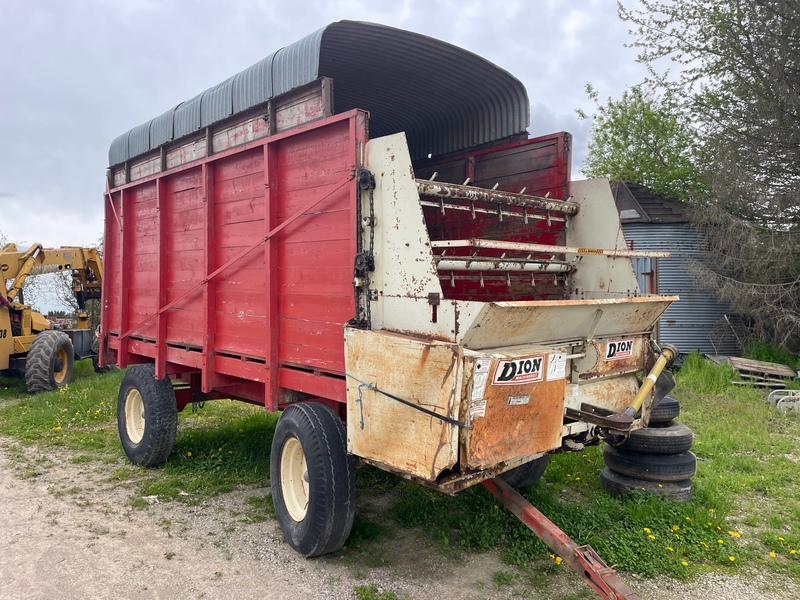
{"points": [[387, 432], [196, 245], [516, 407], [315, 254]]}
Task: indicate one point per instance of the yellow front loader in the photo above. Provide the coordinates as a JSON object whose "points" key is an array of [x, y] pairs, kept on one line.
{"points": [[28, 341]]}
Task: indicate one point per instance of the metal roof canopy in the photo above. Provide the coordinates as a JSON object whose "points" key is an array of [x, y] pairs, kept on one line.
{"points": [[444, 97]]}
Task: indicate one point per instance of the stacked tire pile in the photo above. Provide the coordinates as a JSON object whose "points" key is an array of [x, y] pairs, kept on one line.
{"points": [[655, 459]]}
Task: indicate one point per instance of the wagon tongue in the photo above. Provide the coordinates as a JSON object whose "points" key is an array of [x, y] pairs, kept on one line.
{"points": [[601, 416]]}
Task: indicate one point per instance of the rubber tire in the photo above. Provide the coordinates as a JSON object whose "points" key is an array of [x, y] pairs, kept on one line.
{"points": [[527, 474], [651, 467], [40, 364], [331, 478], [620, 485], [160, 412], [669, 408], [664, 438]]}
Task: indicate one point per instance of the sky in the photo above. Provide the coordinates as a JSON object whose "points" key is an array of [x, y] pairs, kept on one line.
{"points": [[75, 74]]}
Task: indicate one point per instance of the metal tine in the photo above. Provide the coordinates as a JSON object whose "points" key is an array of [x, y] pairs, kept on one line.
{"points": [[452, 279], [496, 185], [433, 177], [441, 202], [466, 181], [500, 211], [533, 280], [522, 191], [508, 278], [525, 215], [547, 195], [472, 208], [548, 219], [482, 284]]}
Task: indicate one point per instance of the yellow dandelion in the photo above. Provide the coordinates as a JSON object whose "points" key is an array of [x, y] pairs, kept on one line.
{"points": [[670, 548], [495, 507], [651, 536], [188, 454], [569, 474], [219, 450], [553, 556], [720, 542], [736, 534], [220, 460], [688, 518], [731, 558], [772, 554], [781, 539], [647, 530], [684, 563], [661, 486], [704, 544], [675, 528], [792, 551], [710, 524], [558, 560], [230, 451], [577, 479]]}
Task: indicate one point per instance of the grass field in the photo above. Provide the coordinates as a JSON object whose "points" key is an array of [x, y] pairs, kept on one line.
{"points": [[745, 514]]}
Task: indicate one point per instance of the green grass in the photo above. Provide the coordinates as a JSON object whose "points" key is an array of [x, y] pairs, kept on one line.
{"points": [[746, 504]]}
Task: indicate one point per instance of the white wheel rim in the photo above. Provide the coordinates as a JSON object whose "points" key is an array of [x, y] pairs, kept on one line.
{"points": [[134, 416], [294, 479]]}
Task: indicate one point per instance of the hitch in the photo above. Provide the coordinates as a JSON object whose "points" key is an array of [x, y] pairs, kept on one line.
{"points": [[582, 559]]}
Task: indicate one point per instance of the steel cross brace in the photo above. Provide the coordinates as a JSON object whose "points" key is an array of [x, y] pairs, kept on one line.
{"points": [[582, 559]]}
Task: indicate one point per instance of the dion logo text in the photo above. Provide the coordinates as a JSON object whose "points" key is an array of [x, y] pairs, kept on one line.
{"points": [[519, 370], [619, 349]]}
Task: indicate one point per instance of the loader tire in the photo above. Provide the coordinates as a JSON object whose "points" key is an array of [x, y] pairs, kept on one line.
{"points": [[527, 474], [147, 416], [663, 438], [50, 362], [620, 485], [669, 408], [651, 467], [313, 479]]}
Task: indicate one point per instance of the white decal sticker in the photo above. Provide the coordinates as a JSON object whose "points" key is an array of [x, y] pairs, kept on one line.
{"points": [[480, 377], [518, 400], [478, 409], [557, 366], [518, 371], [619, 349]]}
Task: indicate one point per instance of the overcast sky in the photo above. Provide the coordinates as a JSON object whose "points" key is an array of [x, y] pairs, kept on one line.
{"points": [[74, 74]]}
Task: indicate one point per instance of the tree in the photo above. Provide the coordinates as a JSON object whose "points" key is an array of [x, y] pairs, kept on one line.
{"points": [[646, 139], [740, 80]]}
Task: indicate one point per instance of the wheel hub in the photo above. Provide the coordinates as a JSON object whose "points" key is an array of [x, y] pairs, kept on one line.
{"points": [[294, 479], [134, 416]]}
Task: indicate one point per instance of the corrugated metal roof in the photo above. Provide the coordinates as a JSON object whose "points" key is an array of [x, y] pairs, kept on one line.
{"points": [[697, 321], [637, 204], [444, 97]]}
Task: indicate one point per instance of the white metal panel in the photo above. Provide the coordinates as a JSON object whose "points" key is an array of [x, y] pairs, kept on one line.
{"points": [[597, 226]]}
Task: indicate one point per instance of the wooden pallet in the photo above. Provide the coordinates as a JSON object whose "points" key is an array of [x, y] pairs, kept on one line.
{"points": [[756, 372]]}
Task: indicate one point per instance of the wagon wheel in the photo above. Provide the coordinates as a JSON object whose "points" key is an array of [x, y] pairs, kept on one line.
{"points": [[313, 479], [147, 416], [527, 474]]}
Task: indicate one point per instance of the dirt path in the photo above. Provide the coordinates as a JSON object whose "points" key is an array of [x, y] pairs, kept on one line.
{"points": [[68, 532]]}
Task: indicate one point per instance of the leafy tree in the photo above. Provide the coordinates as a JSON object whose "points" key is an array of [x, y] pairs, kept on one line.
{"points": [[739, 78], [645, 139]]}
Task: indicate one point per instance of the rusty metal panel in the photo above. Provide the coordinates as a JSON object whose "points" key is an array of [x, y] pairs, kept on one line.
{"points": [[512, 323], [516, 405], [386, 432], [611, 356], [611, 393]]}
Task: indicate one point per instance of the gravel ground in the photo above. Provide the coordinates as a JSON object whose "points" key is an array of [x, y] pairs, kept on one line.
{"points": [[68, 532]]}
